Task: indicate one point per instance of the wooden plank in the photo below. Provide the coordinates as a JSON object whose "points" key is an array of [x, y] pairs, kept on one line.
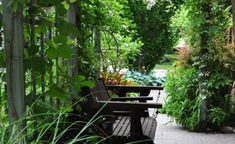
{"points": [[129, 105], [133, 88], [116, 124], [149, 126], [131, 98], [127, 131], [144, 125], [119, 125], [121, 91], [124, 127], [153, 130]]}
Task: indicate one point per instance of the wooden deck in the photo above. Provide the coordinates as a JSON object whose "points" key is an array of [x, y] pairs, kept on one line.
{"points": [[122, 126]]}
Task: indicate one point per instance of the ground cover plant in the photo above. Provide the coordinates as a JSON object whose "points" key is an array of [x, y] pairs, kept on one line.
{"points": [[139, 78]]}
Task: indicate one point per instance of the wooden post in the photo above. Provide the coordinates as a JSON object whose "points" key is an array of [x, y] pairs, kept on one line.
{"points": [[73, 70], [43, 58], [97, 37], [14, 43], [204, 67], [32, 44]]}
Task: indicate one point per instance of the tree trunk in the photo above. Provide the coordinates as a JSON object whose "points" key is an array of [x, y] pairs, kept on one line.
{"points": [[14, 43]]}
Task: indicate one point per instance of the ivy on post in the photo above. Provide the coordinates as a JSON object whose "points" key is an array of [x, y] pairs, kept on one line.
{"points": [[203, 55], [14, 43]]}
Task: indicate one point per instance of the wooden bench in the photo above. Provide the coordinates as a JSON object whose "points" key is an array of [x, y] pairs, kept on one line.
{"points": [[130, 124], [122, 91]]}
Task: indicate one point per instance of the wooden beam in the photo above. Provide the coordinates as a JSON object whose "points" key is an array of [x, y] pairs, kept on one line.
{"points": [[73, 62], [14, 43]]}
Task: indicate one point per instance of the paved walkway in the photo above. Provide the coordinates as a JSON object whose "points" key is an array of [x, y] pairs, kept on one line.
{"points": [[171, 133]]}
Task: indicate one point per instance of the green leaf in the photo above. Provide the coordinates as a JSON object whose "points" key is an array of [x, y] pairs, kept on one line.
{"points": [[67, 28], [49, 2], [65, 51], [33, 50], [61, 11], [80, 78], [57, 92], [38, 64], [51, 53], [41, 29], [49, 42], [87, 83], [60, 39]]}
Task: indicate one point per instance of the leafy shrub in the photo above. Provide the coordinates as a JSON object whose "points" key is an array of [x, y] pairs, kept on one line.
{"points": [[182, 103], [143, 79], [217, 116], [183, 100]]}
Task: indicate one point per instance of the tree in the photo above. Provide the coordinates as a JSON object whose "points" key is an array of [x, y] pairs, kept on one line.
{"points": [[153, 28]]}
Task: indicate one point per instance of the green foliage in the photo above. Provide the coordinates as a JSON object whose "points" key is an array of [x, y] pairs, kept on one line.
{"points": [[189, 21], [56, 128], [153, 28], [3, 115], [143, 79], [118, 51], [183, 99], [217, 116], [203, 24], [2, 58]]}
